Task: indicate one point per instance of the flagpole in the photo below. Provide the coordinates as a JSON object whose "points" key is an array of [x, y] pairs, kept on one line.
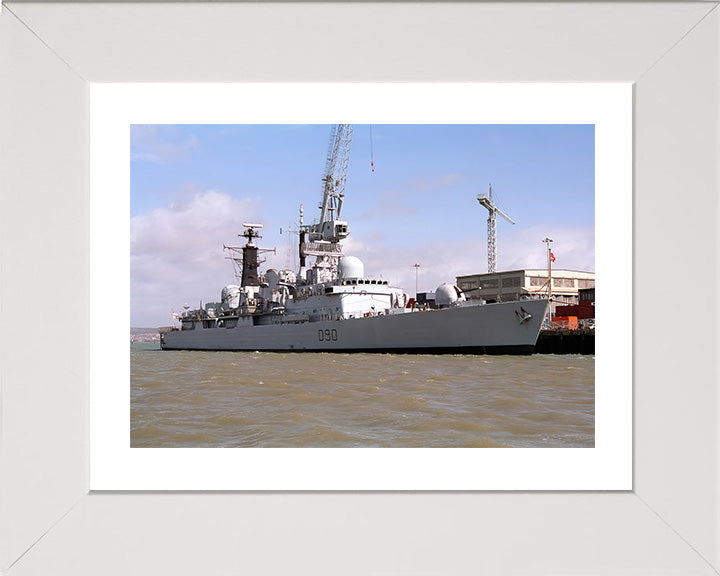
{"points": [[549, 258], [417, 268]]}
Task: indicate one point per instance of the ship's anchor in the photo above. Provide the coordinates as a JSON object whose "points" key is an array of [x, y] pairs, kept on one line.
{"points": [[523, 315]]}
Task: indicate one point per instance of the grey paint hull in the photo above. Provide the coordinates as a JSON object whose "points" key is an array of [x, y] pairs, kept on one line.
{"points": [[489, 328]]}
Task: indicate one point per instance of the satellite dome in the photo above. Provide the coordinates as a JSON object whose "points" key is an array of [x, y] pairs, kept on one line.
{"points": [[447, 294], [351, 267]]}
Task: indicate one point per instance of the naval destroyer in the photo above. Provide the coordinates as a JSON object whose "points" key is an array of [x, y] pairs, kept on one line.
{"points": [[333, 306]]}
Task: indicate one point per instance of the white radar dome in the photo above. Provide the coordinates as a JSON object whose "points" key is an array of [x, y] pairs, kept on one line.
{"points": [[447, 294], [230, 297], [351, 267]]}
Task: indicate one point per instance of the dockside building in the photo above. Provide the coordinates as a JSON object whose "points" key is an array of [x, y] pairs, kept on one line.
{"points": [[512, 285]]}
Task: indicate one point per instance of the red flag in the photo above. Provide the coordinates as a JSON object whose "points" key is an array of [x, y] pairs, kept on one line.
{"points": [[552, 256]]}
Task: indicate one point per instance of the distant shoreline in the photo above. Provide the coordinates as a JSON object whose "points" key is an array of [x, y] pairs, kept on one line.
{"points": [[144, 334]]}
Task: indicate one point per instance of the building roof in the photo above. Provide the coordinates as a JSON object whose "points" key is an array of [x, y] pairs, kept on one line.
{"points": [[525, 271]]}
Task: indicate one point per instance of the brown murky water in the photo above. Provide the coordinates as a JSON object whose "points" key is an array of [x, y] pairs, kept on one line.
{"points": [[257, 399]]}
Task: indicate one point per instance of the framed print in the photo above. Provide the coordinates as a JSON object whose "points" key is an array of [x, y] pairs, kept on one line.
{"points": [[53, 56], [600, 111]]}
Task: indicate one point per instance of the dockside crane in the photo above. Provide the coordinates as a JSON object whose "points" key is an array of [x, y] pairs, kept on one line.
{"points": [[322, 239], [488, 201]]}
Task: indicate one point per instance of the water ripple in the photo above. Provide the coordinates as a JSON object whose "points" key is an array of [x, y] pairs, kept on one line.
{"points": [[241, 399]]}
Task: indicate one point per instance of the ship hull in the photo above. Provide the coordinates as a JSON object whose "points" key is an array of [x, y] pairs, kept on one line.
{"points": [[501, 328]]}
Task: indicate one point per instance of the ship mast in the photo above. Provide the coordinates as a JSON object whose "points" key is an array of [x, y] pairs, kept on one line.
{"points": [[245, 258]]}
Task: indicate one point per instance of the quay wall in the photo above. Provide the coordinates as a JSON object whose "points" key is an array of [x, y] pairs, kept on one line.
{"points": [[581, 341]]}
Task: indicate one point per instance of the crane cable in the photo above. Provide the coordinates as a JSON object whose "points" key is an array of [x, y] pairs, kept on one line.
{"points": [[372, 160]]}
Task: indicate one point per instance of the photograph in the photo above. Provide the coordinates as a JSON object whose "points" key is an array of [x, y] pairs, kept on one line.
{"points": [[385, 285]]}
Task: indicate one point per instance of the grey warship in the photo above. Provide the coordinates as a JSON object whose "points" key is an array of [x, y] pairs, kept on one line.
{"points": [[333, 306]]}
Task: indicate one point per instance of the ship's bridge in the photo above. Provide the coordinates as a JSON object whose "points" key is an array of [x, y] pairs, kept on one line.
{"points": [[361, 281], [359, 285]]}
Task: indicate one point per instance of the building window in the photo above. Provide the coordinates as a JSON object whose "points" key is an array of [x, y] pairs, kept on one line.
{"points": [[587, 294], [537, 280], [471, 285], [489, 283]]}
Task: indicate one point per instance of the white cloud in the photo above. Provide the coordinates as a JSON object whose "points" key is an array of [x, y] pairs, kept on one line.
{"points": [[573, 248], [176, 254]]}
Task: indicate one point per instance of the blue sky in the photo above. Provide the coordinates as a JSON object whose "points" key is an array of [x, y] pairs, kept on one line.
{"points": [[192, 186]]}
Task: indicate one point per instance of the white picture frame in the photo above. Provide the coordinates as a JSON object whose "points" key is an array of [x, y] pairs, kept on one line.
{"points": [[114, 465], [668, 523]]}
